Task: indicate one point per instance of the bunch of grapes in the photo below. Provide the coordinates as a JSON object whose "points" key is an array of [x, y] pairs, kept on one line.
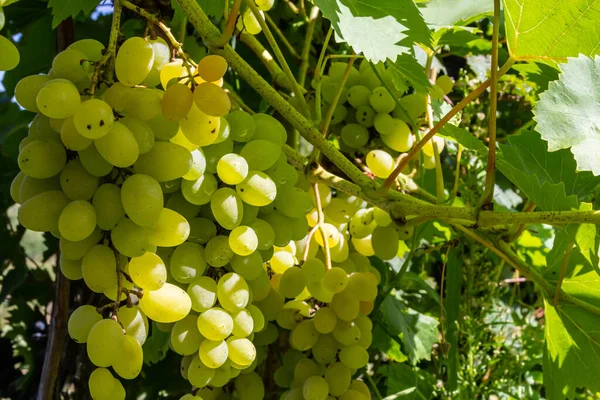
{"points": [[368, 120]]}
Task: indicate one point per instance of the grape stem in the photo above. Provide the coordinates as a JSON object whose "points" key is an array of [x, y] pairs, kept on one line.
{"points": [[336, 98], [310, 31], [282, 37], [266, 58], [321, 225], [230, 24], [108, 59]]}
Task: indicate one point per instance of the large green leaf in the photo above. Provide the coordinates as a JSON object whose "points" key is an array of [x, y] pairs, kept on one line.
{"points": [[539, 73], [380, 29], [407, 68], [568, 113], [445, 13], [552, 29], [406, 383], [63, 9]]}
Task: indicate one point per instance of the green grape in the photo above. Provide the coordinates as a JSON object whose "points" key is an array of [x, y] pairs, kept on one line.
{"points": [[243, 240], [304, 368], [258, 189], [218, 253], [358, 96], [250, 214], [242, 125], [281, 261], [172, 70], [249, 267], [119, 391], [341, 209], [354, 357], [108, 206], [41, 212], [313, 270], [250, 23], [185, 337], [232, 168], [385, 242], [381, 100], [345, 305], [353, 395], [71, 138], [380, 163], [41, 159], [148, 271], [77, 220], [364, 246], [331, 234], [260, 286], [58, 98], [162, 55], [202, 230], [266, 336], [199, 374], [214, 152], [362, 223], [177, 101], [167, 304], [292, 282], [212, 68], [187, 262], [428, 147], [118, 146], [260, 154], [93, 162], [211, 99], [304, 336], [436, 93], [241, 351], [200, 128], [269, 128], [325, 320], [243, 324], [213, 353], [141, 131], [281, 226], [164, 162], [203, 293], [339, 114], [337, 70], [102, 385], [103, 342], [179, 204], [117, 97], [91, 48], [129, 358], [282, 173], [233, 292], [384, 124], [338, 377], [414, 104], [355, 135], [129, 238], [17, 183], [81, 322], [198, 165], [170, 229], [329, 89], [315, 388], [222, 375], [325, 350], [258, 319], [134, 61], [10, 55], [227, 208], [142, 199], [68, 65], [365, 116], [41, 129], [76, 250], [264, 5], [283, 377], [335, 280], [264, 233], [71, 269], [293, 202], [31, 187], [200, 191], [445, 83], [364, 284], [134, 322], [76, 182], [27, 89], [99, 268], [361, 387]]}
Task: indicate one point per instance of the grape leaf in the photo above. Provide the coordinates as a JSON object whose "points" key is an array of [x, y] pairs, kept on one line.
{"points": [[63, 9], [568, 112], [156, 346], [380, 29], [407, 68], [464, 137], [539, 73], [554, 29], [213, 8], [446, 13], [407, 383]]}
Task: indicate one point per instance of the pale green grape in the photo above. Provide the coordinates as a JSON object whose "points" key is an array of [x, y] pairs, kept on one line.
{"points": [[243, 324], [201, 190], [304, 336], [338, 377], [117, 97], [172, 186], [214, 152], [332, 235], [325, 320], [292, 282], [428, 147], [119, 391], [198, 166], [293, 202], [354, 356], [71, 138], [185, 337], [142, 199], [227, 208], [31, 187], [179, 204], [143, 103], [361, 387], [380, 163], [212, 68], [250, 386], [353, 395], [305, 368], [222, 375], [215, 324], [337, 70], [250, 213], [445, 83], [41, 129], [76, 182], [118, 146], [71, 269], [329, 89], [103, 342], [93, 162], [76, 250], [167, 304], [242, 125], [211, 99], [325, 350], [258, 189], [203, 293], [170, 229], [362, 223], [187, 262], [58, 98], [405, 232], [315, 388], [355, 135], [365, 116], [99, 268], [335, 280], [134, 61], [282, 173], [232, 168], [429, 162], [281, 226], [164, 162], [77, 220], [142, 132], [200, 128], [233, 292], [170, 71], [162, 55], [249, 267], [381, 100], [128, 358], [250, 23], [243, 240], [41, 159], [199, 374], [10, 55], [148, 271], [264, 233], [213, 353], [345, 305], [68, 65], [218, 253], [41, 212], [436, 92], [241, 351], [281, 261], [15, 186], [260, 154], [415, 105], [269, 128], [108, 206], [27, 89], [258, 319], [81, 322], [91, 48], [260, 286], [129, 238], [313, 269], [358, 96], [385, 242], [102, 385], [202, 230], [134, 322], [384, 123], [341, 209]]}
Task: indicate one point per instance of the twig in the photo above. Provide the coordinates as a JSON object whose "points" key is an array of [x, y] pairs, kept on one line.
{"points": [[282, 37], [336, 98], [456, 176], [111, 50], [265, 57], [321, 225], [563, 271], [229, 25], [517, 230], [373, 386], [310, 31]]}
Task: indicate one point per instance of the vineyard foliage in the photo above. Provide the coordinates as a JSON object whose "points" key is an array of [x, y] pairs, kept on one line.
{"points": [[299, 199]]}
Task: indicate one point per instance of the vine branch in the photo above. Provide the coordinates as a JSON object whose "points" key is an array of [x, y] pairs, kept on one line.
{"points": [[108, 59]]}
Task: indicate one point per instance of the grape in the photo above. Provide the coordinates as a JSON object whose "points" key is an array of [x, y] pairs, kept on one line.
{"points": [[171, 229], [134, 322], [107, 204], [363, 246], [58, 98], [385, 242], [10, 55], [164, 162], [250, 213], [281, 261], [313, 269], [381, 100], [354, 357], [361, 387], [233, 292], [141, 131], [116, 96], [77, 220], [185, 337], [81, 322], [258, 189], [325, 320], [355, 135], [292, 282], [362, 223], [445, 83], [436, 92], [71, 138], [103, 342], [41, 212], [335, 280], [91, 48], [214, 152], [304, 336], [264, 233], [315, 388], [179, 204], [227, 208], [167, 304], [222, 375], [200, 128], [213, 353], [329, 89], [99, 268], [172, 71], [269, 128], [162, 55], [243, 324], [93, 162], [260, 154], [199, 374], [250, 23], [31, 187], [71, 269], [364, 284], [142, 199], [76, 182], [187, 262], [102, 385], [212, 68], [211, 99], [325, 350], [203, 293], [129, 358], [380, 163], [428, 147], [68, 65], [41, 159], [358, 96], [129, 238], [365, 116], [249, 267], [177, 101], [293, 202], [218, 253], [76, 250], [338, 377], [202, 230], [148, 271], [118, 146], [243, 240], [232, 169], [345, 305], [241, 351], [17, 183], [242, 125], [134, 61], [27, 89], [415, 105], [249, 386]]}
